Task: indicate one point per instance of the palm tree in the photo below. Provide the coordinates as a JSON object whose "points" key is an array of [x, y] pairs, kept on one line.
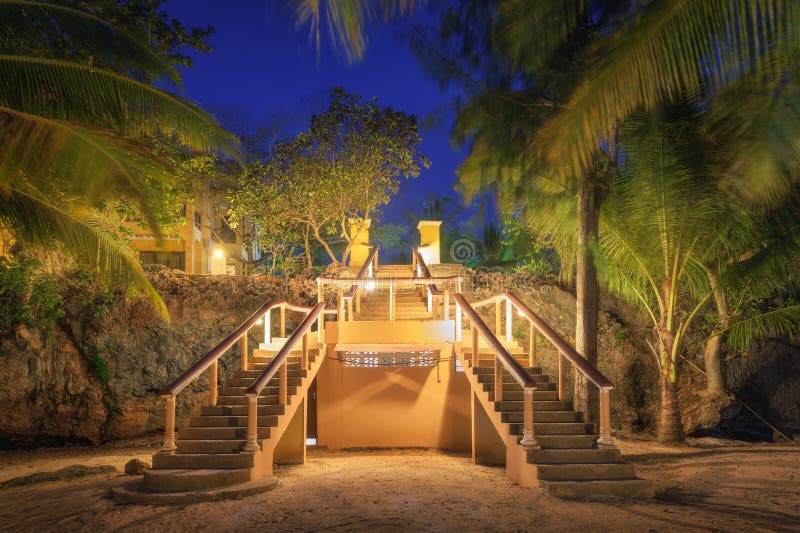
{"points": [[69, 130], [665, 228]]}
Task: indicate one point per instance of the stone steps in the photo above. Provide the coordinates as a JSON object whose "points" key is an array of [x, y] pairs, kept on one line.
{"points": [[211, 446], [622, 488], [176, 479], [202, 460], [568, 463], [219, 433], [231, 421]]}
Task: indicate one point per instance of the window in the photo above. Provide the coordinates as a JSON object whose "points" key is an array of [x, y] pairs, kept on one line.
{"points": [[198, 220], [173, 260]]}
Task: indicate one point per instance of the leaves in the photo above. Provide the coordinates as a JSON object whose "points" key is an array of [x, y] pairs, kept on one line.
{"points": [[36, 219]]}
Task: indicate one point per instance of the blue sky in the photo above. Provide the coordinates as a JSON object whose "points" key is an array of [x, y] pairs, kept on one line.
{"points": [[262, 66]]}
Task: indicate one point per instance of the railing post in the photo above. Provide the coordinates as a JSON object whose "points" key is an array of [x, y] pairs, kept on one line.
{"points": [[605, 420], [528, 438], [475, 345], [243, 350], [268, 327], [213, 380], [430, 298], [168, 446], [532, 348], [562, 375], [498, 380], [252, 423], [282, 332], [358, 300], [498, 319], [509, 321], [320, 327], [283, 383], [340, 306], [391, 301], [305, 365], [458, 322], [349, 309], [446, 304]]}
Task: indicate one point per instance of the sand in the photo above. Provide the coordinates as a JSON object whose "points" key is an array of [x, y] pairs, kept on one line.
{"points": [[709, 486]]}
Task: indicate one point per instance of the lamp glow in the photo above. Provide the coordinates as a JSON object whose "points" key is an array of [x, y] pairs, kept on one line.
{"points": [[218, 252]]}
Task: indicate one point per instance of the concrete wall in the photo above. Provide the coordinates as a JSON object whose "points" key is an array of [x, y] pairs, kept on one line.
{"points": [[393, 407]]}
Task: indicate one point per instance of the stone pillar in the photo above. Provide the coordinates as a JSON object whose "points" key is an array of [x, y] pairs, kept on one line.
{"points": [[429, 241], [359, 234]]}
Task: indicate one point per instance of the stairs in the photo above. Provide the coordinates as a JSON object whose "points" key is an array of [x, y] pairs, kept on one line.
{"points": [[209, 460], [409, 306], [568, 463]]}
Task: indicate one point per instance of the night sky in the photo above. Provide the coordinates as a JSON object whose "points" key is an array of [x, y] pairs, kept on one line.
{"points": [[262, 66]]}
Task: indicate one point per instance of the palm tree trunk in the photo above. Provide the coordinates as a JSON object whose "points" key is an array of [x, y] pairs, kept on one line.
{"points": [[586, 396], [715, 384], [670, 428]]}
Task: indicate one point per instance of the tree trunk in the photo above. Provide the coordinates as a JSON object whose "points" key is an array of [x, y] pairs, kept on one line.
{"points": [[670, 428], [715, 384], [586, 395], [307, 245], [713, 360]]}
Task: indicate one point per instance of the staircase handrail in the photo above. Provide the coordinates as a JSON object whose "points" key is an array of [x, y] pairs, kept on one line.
{"points": [[215, 353], [272, 368], [581, 364], [419, 261], [279, 362], [566, 353], [509, 363], [362, 273]]}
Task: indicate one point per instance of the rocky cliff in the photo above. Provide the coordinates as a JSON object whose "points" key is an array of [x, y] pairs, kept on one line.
{"points": [[97, 375]]}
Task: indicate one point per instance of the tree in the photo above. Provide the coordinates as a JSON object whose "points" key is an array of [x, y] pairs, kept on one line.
{"points": [[667, 226], [331, 179], [69, 130]]}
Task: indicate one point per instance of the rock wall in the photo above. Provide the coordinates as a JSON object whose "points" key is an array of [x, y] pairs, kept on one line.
{"points": [[98, 375], [53, 389]]}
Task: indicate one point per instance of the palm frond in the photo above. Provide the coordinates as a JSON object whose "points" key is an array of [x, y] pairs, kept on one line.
{"points": [[755, 129], [40, 222], [529, 32], [346, 20], [784, 321], [90, 162], [39, 25], [675, 48], [70, 91]]}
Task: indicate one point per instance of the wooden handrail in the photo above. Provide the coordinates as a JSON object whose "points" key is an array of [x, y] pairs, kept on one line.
{"points": [[508, 362], [591, 373], [274, 365], [200, 366], [435, 291], [362, 273]]}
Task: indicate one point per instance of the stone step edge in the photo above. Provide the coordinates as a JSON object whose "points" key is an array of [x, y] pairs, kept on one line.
{"points": [[134, 492]]}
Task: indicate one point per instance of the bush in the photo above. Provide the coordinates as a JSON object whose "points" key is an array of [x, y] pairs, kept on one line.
{"points": [[27, 296]]}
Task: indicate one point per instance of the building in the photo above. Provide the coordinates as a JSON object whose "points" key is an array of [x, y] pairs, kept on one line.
{"points": [[204, 244]]}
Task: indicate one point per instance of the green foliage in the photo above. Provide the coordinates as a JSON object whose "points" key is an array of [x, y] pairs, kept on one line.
{"points": [[388, 236], [99, 368], [339, 172], [28, 296], [73, 110]]}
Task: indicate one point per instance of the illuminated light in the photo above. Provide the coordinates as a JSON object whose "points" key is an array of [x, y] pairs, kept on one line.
{"points": [[369, 285], [219, 253], [520, 313]]}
